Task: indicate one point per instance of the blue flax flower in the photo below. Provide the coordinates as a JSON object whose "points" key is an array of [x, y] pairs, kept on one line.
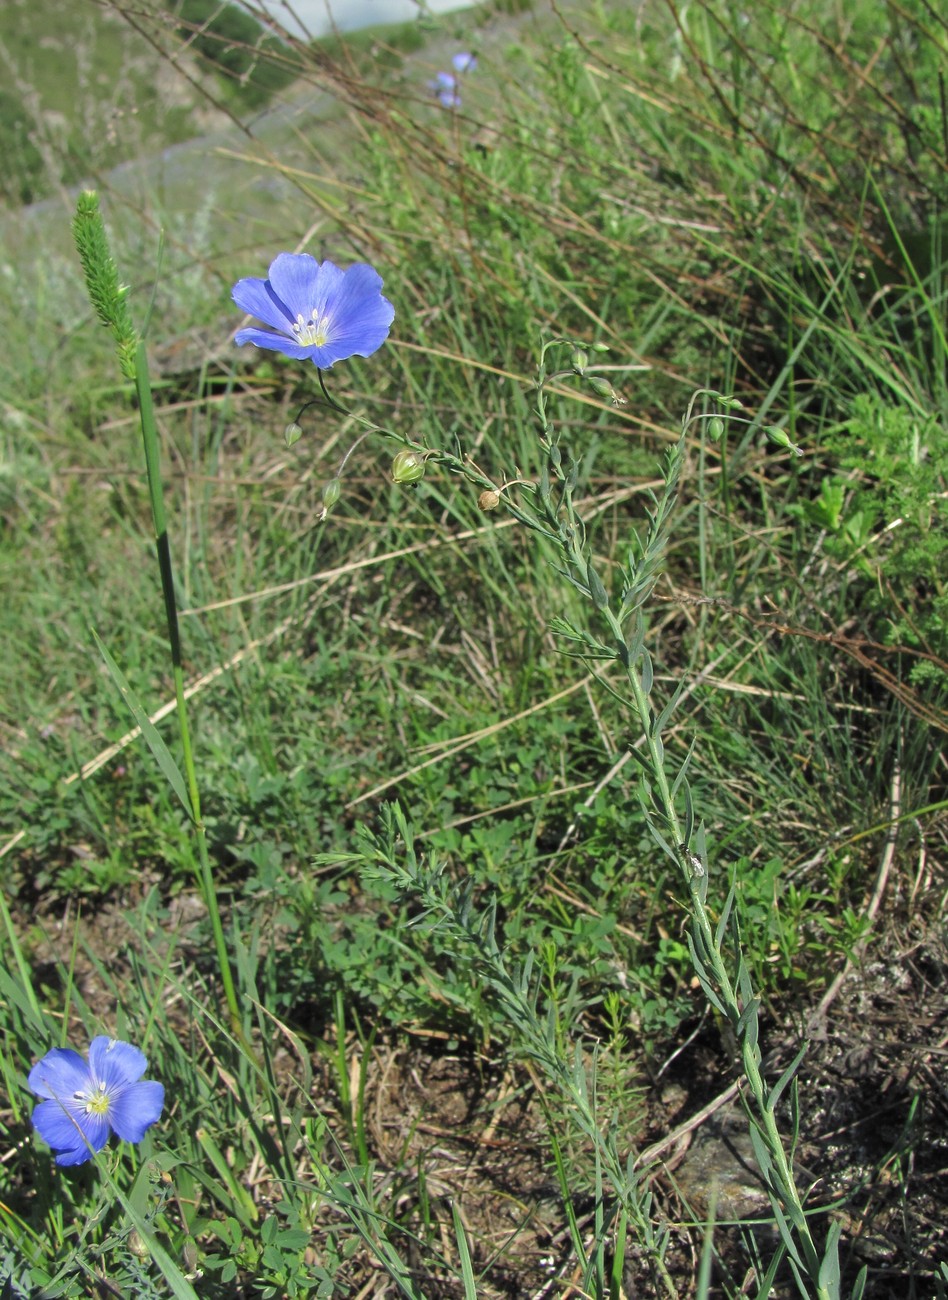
{"points": [[464, 62], [445, 87], [87, 1099], [314, 311]]}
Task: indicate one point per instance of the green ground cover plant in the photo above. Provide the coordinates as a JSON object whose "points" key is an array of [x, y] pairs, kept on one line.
{"points": [[525, 759]]}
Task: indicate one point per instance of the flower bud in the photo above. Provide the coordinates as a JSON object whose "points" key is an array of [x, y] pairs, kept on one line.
{"points": [[600, 347], [138, 1245], [600, 386], [604, 389], [331, 493], [488, 500], [292, 433], [408, 466], [715, 428], [579, 361], [779, 436], [189, 1255]]}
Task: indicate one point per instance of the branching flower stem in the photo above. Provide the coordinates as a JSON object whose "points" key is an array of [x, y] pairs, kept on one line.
{"points": [[675, 836], [549, 509]]}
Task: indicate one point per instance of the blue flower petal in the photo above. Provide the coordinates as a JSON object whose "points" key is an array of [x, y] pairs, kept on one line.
{"points": [[114, 1063], [360, 318], [301, 283], [136, 1108], [63, 1124], [464, 62], [60, 1073], [256, 298]]}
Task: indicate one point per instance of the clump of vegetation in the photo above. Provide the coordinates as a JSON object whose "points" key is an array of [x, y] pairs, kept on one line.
{"points": [[23, 162], [253, 64]]}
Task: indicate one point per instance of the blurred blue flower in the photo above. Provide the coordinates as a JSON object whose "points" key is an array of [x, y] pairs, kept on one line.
{"points": [[445, 87], [315, 311], [464, 62], [87, 1099]]}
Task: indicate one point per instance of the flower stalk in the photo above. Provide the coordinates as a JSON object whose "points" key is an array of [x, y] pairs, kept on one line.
{"points": [[549, 509]]}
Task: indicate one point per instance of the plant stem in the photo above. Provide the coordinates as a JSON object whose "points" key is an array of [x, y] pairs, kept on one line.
{"points": [[204, 873]]}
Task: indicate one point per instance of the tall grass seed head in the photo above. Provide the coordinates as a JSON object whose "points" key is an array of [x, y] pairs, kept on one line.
{"points": [[314, 311], [108, 297]]}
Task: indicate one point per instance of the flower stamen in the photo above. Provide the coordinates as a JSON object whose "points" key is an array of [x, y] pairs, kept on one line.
{"points": [[313, 332], [97, 1103]]}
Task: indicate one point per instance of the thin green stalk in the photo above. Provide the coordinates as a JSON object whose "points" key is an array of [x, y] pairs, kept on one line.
{"points": [[763, 1112], [163, 549], [108, 297], [780, 1179]]}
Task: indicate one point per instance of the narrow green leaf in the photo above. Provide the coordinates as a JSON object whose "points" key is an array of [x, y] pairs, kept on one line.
{"points": [[162, 753], [725, 916], [777, 1090], [464, 1253], [706, 985], [859, 1285], [829, 1268]]}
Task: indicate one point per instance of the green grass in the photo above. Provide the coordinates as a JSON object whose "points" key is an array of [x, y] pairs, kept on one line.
{"points": [[724, 205]]}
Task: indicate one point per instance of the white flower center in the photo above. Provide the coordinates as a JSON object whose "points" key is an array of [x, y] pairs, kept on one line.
{"points": [[95, 1102], [313, 332]]}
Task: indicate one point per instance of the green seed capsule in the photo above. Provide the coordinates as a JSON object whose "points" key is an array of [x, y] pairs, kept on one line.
{"points": [[331, 493], [408, 466], [292, 433], [600, 386]]}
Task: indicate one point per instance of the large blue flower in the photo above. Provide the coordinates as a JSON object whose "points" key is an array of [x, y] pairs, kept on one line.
{"points": [[85, 1099], [314, 311]]}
